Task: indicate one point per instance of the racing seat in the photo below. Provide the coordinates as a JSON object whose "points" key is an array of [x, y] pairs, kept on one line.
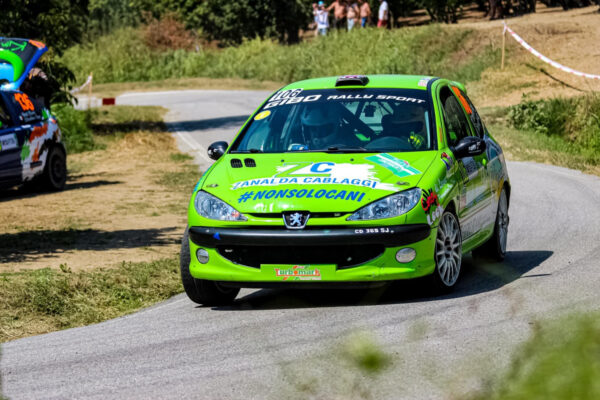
{"points": [[398, 128]]}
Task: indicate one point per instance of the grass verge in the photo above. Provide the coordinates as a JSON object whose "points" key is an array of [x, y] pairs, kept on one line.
{"points": [[561, 361], [33, 302], [123, 57], [70, 265], [538, 144], [115, 89]]}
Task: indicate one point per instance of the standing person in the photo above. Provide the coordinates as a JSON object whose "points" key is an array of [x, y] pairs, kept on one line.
{"points": [[322, 19], [384, 13], [353, 15], [365, 12], [314, 24], [339, 13]]}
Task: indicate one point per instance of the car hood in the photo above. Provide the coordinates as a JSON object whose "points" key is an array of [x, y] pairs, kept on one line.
{"points": [[315, 182], [17, 58]]}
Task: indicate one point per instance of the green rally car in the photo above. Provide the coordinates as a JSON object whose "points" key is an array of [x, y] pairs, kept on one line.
{"points": [[348, 181]]}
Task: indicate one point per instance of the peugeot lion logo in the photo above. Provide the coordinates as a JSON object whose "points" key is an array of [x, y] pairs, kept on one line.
{"points": [[296, 219]]}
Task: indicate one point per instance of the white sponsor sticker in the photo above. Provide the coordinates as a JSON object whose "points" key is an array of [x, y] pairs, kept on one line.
{"points": [[8, 142]]}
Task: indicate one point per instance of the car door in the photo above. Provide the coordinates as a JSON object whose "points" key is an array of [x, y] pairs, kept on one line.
{"points": [[475, 199], [492, 160], [11, 143]]}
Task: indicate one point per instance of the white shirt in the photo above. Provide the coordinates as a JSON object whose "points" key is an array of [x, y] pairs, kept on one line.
{"points": [[382, 9], [322, 19]]}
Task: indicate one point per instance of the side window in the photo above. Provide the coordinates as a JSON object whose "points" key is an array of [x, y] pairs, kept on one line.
{"points": [[471, 111], [457, 126], [5, 121]]}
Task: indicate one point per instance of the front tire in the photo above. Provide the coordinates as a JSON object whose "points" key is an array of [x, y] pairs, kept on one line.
{"points": [[201, 291], [448, 253], [495, 247]]}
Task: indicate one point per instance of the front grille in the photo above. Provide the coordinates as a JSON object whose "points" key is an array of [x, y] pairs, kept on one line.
{"points": [[342, 256]]}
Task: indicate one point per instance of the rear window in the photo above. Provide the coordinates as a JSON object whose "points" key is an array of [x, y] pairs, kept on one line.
{"points": [[345, 120]]}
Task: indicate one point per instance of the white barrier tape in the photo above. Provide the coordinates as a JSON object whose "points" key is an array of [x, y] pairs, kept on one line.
{"points": [[87, 82], [546, 59]]}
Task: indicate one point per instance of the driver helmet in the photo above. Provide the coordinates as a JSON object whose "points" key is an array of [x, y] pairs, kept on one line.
{"points": [[319, 124]]}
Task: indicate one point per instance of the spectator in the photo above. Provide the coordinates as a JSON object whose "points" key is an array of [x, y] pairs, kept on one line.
{"points": [[353, 15], [365, 12], [384, 10], [339, 13], [314, 24], [322, 19]]}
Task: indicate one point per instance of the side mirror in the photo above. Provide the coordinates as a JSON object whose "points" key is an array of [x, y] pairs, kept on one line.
{"points": [[217, 149], [469, 146]]}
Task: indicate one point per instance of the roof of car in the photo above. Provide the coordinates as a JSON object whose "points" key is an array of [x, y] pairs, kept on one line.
{"points": [[375, 81]]}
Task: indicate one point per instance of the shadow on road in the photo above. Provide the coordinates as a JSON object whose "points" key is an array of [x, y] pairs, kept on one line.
{"points": [[22, 246], [205, 124], [28, 192], [477, 277]]}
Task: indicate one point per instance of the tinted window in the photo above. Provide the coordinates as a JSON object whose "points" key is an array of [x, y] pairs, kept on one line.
{"points": [[471, 111], [390, 120], [4, 115], [457, 126]]}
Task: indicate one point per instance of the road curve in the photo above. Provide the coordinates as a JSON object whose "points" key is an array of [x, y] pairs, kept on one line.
{"points": [[269, 341]]}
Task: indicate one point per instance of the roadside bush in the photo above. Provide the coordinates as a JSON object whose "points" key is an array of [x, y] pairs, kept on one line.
{"points": [[75, 126], [575, 119], [432, 50]]}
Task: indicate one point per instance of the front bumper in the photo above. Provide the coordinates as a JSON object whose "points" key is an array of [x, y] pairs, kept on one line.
{"points": [[257, 257]]}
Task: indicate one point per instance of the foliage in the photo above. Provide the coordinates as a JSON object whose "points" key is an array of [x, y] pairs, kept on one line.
{"points": [[561, 361], [575, 119], [57, 23], [167, 33], [231, 21], [443, 10], [66, 299], [122, 57], [75, 126]]}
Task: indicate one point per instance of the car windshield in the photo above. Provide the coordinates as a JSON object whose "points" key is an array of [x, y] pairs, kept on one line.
{"points": [[340, 120]]}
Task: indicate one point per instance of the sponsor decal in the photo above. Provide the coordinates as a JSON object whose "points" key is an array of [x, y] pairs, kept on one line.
{"points": [[262, 115], [320, 173], [448, 161], [290, 97], [299, 273], [428, 201], [423, 82], [8, 142], [347, 195], [399, 167]]}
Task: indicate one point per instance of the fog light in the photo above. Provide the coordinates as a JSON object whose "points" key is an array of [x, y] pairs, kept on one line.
{"points": [[405, 255], [202, 256]]}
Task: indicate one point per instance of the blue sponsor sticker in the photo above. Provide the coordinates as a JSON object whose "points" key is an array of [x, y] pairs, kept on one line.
{"points": [[333, 194]]}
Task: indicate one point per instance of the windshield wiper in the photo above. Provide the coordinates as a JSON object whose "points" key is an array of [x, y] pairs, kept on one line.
{"points": [[252, 150], [334, 149]]}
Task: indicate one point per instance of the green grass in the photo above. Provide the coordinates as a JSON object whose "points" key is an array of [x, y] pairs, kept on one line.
{"points": [[81, 128], [47, 299], [561, 361], [435, 50], [561, 132]]}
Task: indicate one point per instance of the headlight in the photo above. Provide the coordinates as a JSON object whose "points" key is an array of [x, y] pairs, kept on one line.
{"points": [[210, 207], [388, 207]]}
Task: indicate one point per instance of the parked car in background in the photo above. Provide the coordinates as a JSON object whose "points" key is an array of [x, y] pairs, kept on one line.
{"points": [[31, 150]]}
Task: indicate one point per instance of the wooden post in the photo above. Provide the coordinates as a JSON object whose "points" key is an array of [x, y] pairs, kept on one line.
{"points": [[503, 46], [90, 90]]}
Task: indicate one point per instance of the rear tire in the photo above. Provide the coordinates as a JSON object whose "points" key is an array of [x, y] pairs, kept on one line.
{"points": [[201, 291], [55, 170], [495, 247], [448, 253]]}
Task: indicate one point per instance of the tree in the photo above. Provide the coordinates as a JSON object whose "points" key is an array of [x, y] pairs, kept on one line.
{"points": [[58, 24]]}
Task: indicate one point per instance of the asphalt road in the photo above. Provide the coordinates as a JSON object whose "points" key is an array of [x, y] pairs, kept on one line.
{"points": [[274, 344]]}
